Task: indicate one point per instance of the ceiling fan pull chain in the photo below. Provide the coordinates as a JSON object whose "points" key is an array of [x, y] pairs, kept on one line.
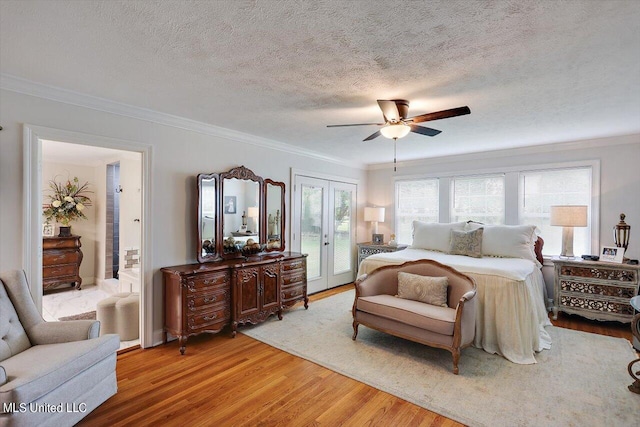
{"points": [[395, 140]]}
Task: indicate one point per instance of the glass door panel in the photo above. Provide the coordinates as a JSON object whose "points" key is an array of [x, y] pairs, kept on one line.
{"points": [[341, 251], [311, 241]]}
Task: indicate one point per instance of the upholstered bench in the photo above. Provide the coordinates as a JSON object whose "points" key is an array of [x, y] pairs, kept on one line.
{"points": [[434, 305], [119, 314]]}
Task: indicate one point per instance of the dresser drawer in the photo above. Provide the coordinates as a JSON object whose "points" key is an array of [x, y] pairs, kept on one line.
{"points": [[203, 301], [60, 257], [294, 292], [293, 265], [70, 270], [597, 288], [217, 317], [597, 305], [293, 278], [207, 282], [49, 243], [600, 273]]}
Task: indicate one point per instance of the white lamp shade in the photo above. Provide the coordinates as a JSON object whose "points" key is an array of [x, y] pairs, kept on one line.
{"points": [[569, 215], [394, 131], [252, 212], [374, 214]]}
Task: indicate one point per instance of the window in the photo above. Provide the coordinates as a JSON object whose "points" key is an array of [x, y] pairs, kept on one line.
{"points": [[542, 189], [511, 195], [415, 200], [478, 198]]}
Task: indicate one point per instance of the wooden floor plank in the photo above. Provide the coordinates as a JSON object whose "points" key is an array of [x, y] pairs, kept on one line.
{"points": [[223, 381]]}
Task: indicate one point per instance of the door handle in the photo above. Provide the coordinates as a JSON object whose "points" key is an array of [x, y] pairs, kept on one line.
{"points": [[326, 243]]}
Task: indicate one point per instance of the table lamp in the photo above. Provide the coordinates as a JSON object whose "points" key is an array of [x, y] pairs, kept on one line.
{"points": [[374, 215], [568, 216]]}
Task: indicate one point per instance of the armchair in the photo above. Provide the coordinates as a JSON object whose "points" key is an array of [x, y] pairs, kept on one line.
{"points": [[51, 373]]}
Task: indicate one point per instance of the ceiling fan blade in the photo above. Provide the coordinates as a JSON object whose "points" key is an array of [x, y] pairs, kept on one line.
{"points": [[389, 110], [444, 114], [372, 136], [424, 130], [355, 124]]}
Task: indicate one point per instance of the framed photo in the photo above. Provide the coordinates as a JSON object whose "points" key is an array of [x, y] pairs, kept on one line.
{"points": [[230, 204], [611, 254], [377, 239], [47, 230]]}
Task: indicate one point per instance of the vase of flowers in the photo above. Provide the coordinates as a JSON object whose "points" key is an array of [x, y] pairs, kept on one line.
{"points": [[66, 203]]}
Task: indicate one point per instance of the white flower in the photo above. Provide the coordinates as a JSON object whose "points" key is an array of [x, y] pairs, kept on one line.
{"points": [[80, 206], [56, 203], [68, 199]]}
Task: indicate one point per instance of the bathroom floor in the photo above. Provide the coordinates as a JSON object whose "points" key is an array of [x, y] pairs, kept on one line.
{"points": [[62, 303]]}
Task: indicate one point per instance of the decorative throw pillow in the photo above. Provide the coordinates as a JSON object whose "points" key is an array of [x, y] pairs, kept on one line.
{"points": [[510, 241], [434, 236], [427, 289], [467, 243]]}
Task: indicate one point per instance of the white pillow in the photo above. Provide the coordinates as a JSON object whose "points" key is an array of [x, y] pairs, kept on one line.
{"points": [[510, 241], [434, 236]]}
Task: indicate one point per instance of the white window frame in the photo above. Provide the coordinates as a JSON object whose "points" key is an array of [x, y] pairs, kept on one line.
{"points": [[513, 193], [396, 197], [594, 205], [466, 176]]}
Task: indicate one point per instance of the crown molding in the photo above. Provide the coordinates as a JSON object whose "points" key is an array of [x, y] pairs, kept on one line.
{"points": [[28, 87], [516, 151]]}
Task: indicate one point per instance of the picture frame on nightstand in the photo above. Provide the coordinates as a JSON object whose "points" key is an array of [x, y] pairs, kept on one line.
{"points": [[377, 239], [611, 254]]}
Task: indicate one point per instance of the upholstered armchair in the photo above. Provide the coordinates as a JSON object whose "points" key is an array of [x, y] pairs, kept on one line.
{"points": [[51, 373], [448, 323]]}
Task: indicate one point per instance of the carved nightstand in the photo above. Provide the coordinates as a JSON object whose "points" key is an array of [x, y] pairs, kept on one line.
{"points": [[595, 290], [368, 248]]}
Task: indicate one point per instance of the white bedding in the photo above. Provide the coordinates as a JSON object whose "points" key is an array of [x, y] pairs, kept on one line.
{"points": [[510, 316]]}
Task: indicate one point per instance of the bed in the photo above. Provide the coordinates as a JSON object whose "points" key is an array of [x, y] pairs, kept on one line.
{"points": [[511, 314]]}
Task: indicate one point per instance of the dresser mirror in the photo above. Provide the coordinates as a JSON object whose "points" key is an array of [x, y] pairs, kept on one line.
{"points": [[274, 195], [207, 216], [239, 214], [242, 219]]}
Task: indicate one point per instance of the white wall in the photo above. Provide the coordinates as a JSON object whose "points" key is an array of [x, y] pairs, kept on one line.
{"points": [[619, 179], [178, 155]]}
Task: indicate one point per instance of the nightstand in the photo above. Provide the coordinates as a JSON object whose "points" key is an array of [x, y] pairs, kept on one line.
{"points": [[368, 248], [594, 289]]}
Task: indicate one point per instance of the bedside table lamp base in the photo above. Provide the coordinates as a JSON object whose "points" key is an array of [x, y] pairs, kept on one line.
{"points": [[567, 243]]}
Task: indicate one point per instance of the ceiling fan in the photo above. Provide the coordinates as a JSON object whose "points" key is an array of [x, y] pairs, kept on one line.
{"points": [[397, 124]]}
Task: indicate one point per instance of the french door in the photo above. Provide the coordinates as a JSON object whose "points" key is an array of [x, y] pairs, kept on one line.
{"points": [[324, 229]]}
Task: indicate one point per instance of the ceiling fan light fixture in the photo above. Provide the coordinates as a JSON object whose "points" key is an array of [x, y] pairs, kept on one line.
{"points": [[395, 130]]}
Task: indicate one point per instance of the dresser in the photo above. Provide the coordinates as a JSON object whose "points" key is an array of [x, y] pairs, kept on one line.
{"points": [[61, 259], [595, 290], [207, 297], [368, 248]]}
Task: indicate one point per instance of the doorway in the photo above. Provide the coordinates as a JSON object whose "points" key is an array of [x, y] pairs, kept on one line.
{"points": [[324, 229], [133, 152]]}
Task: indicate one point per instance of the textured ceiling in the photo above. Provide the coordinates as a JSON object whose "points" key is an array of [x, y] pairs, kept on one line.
{"points": [[532, 72]]}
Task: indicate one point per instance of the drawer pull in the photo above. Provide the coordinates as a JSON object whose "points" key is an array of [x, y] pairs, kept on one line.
{"points": [[210, 299], [210, 317]]}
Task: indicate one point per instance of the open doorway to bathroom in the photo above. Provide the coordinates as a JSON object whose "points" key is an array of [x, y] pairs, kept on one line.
{"points": [[110, 238]]}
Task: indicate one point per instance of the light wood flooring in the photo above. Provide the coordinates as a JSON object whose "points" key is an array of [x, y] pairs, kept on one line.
{"points": [[243, 382]]}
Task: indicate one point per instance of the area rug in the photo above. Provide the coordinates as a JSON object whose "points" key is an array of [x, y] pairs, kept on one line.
{"points": [[89, 315], [581, 381]]}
